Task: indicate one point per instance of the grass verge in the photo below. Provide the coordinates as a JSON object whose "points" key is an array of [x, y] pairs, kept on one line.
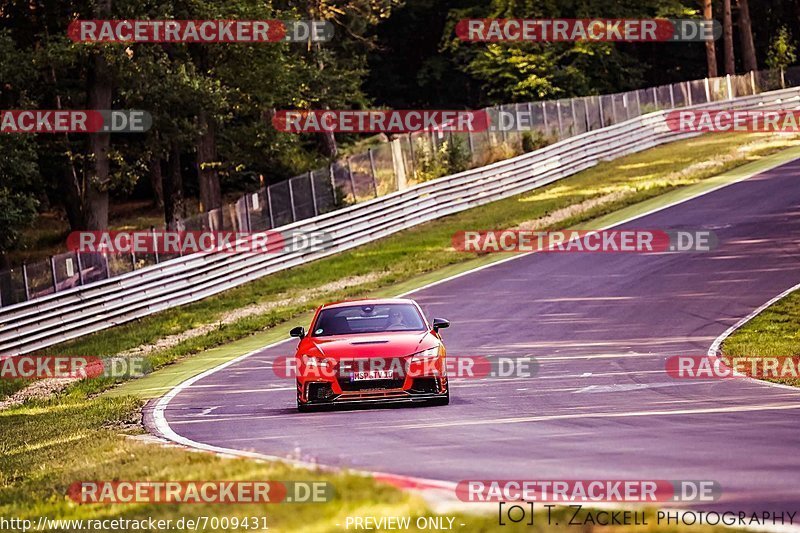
{"points": [[774, 332]]}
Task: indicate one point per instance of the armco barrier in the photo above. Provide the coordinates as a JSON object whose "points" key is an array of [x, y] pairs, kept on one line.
{"points": [[66, 315]]}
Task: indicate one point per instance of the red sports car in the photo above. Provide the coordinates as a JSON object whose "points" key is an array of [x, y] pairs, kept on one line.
{"points": [[366, 351]]}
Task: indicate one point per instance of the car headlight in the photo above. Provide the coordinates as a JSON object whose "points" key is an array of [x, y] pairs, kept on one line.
{"points": [[317, 362], [426, 355]]}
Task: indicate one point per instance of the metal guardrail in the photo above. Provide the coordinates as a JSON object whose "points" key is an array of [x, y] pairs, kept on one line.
{"points": [[66, 315]]}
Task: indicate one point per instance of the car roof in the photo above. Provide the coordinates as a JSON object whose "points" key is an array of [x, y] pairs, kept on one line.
{"points": [[369, 301]]}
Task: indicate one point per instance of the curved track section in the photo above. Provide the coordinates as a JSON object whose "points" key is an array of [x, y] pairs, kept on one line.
{"points": [[601, 406]]}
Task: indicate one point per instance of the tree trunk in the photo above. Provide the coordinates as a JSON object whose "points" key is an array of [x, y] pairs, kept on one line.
{"points": [[727, 37], [156, 181], [327, 143], [95, 193], [173, 190], [207, 166], [746, 37], [711, 49]]}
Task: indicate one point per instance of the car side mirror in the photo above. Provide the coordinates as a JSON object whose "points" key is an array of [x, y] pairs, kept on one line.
{"points": [[440, 323], [298, 332]]}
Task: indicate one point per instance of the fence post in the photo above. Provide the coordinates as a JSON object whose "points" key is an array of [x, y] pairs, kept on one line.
{"points": [[1, 295], [53, 273], [471, 145], [413, 160], [729, 87], [500, 122], [313, 191], [25, 281], [586, 114], [544, 118], [560, 123], [688, 92], [352, 181], [291, 200], [753, 81], [602, 115], [708, 90], [155, 243], [333, 185], [655, 97], [133, 260], [247, 212], [638, 104], [574, 119], [80, 267], [671, 96], [372, 169], [269, 208], [783, 79], [613, 109]]}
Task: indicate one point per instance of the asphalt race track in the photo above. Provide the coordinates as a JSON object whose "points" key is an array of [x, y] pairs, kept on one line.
{"points": [[601, 407]]}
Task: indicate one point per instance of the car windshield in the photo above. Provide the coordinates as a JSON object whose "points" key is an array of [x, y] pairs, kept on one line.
{"points": [[368, 319]]}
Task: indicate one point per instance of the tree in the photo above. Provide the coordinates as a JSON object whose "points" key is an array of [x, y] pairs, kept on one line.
{"points": [[727, 38], [746, 37], [711, 49]]}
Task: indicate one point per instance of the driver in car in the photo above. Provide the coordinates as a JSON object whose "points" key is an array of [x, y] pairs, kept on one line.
{"points": [[396, 321]]}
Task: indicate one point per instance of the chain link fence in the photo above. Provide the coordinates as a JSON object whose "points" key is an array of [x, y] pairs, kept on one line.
{"points": [[392, 166]]}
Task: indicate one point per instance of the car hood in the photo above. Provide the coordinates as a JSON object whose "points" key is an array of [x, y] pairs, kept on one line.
{"points": [[387, 344]]}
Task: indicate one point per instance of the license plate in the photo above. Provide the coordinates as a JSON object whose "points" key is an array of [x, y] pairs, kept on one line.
{"points": [[372, 374]]}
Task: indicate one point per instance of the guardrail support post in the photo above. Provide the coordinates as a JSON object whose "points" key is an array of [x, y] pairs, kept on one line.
{"points": [[352, 181], [372, 168], [53, 272], [313, 193], [291, 201], [25, 281]]}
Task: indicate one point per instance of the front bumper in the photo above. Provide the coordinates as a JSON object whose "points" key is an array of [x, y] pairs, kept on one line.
{"points": [[322, 393]]}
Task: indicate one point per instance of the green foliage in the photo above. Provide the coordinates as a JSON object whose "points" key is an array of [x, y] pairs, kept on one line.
{"points": [[782, 50], [533, 140]]}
